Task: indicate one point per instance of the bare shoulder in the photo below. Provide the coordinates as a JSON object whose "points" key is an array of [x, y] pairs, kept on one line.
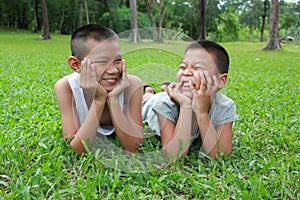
{"points": [[62, 88], [61, 84], [135, 88], [134, 80]]}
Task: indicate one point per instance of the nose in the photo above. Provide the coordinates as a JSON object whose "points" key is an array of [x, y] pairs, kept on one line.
{"points": [[188, 71], [112, 69]]}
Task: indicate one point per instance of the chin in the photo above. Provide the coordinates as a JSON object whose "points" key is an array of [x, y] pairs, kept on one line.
{"points": [[108, 88]]}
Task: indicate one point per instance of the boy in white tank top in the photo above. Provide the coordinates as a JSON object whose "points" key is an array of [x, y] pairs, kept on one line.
{"points": [[99, 97]]}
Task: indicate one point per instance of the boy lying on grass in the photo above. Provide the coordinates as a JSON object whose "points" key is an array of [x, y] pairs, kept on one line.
{"points": [[99, 98], [193, 106]]}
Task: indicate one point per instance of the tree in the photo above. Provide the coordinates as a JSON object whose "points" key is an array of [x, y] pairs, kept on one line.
{"points": [[134, 20], [274, 20], [80, 13], [46, 34], [202, 19], [37, 21], [251, 20], [62, 17], [263, 21], [86, 12], [111, 12], [157, 31]]}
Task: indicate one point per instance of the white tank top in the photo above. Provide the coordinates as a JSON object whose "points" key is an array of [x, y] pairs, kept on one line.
{"points": [[81, 106]]}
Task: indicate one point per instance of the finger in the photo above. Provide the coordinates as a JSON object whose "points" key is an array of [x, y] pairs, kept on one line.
{"points": [[171, 86], [216, 84], [192, 88], [93, 74], [123, 65], [170, 89], [197, 83], [191, 85], [176, 88], [83, 65], [163, 88], [124, 72], [87, 66], [83, 70], [203, 85], [90, 73], [208, 79]]}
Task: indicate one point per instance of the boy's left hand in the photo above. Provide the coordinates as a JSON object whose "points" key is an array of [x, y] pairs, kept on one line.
{"points": [[123, 83], [203, 98]]}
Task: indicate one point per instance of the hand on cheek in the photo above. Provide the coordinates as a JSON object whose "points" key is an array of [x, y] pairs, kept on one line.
{"points": [[88, 78], [203, 97], [123, 82], [176, 95], [89, 82]]}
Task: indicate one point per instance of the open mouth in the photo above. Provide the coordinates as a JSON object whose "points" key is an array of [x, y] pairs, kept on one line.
{"points": [[111, 80], [185, 85]]}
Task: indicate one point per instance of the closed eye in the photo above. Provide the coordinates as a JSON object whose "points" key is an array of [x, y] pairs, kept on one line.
{"points": [[182, 65], [103, 62], [199, 65]]}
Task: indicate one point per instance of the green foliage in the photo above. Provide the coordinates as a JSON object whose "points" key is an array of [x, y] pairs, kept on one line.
{"points": [[122, 20], [180, 15], [228, 27], [36, 163]]}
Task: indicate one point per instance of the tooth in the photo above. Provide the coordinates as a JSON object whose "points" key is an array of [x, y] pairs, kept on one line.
{"points": [[186, 84]]}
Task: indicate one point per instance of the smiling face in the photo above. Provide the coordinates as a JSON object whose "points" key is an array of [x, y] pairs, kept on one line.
{"points": [[195, 60], [106, 57]]}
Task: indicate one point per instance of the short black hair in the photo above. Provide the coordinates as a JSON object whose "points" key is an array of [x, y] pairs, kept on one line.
{"points": [[220, 55], [79, 38]]}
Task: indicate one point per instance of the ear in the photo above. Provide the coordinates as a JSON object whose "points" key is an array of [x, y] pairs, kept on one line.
{"points": [[223, 79], [74, 63]]}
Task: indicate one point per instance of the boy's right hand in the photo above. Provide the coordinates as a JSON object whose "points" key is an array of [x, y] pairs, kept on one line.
{"points": [[176, 96], [88, 81]]}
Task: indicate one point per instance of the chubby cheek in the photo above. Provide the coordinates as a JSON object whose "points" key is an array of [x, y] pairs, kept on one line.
{"points": [[99, 73], [178, 76]]}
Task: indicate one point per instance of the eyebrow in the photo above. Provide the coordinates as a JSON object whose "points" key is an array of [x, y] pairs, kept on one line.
{"points": [[108, 58], [200, 62], [197, 62], [102, 57]]}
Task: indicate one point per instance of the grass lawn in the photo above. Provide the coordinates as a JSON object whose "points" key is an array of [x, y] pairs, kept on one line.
{"points": [[36, 163]]}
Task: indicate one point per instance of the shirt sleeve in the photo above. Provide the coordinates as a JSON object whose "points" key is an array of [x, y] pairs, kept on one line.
{"points": [[223, 110], [160, 103]]}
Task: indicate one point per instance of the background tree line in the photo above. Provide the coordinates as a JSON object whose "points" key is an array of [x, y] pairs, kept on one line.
{"points": [[220, 20]]}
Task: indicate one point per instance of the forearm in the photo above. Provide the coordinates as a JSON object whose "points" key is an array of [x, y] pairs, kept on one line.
{"points": [[128, 132], [210, 137], [179, 143], [87, 131]]}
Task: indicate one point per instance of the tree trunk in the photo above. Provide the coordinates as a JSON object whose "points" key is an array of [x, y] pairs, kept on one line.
{"points": [[274, 20], [46, 35], [161, 18], [87, 12], [35, 5], [62, 18], [134, 21], [151, 19], [80, 13], [263, 22], [202, 19], [251, 21], [110, 14]]}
